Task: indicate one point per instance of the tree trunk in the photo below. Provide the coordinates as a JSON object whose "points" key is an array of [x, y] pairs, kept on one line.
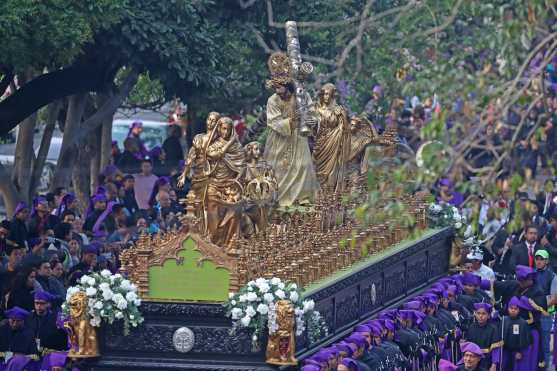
{"points": [[95, 156], [68, 152], [8, 191], [106, 142], [51, 117], [81, 174], [24, 157]]}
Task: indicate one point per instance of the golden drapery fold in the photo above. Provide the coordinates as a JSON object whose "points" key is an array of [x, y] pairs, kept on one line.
{"points": [[332, 148], [288, 154]]}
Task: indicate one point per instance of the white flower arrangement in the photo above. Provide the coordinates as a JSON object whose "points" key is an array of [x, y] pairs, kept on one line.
{"points": [[254, 307], [111, 297]]}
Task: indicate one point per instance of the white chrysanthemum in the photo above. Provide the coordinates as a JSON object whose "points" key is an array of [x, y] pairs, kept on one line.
{"points": [[260, 281], [236, 313], [119, 315], [263, 309], [131, 296], [107, 295], [275, 281], [251, 283], [251, 296], [243, 298], [279, 294], [122, 304], [294, 296], [264, 287], [91, 291], [106, 273], [233, 302], [458, 225], [308, 305], [84, 279], [72, 290], [98, 305], [230, 295], [132, 317], [293, 286], [280, 285], [268, 297], [250, 311], [245, 321], [91, 281], [104, 286], [137, 302], [125, 285], [117, 297]]}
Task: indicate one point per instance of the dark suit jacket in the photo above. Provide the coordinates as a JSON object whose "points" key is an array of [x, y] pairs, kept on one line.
{"points": [[520, 254]]}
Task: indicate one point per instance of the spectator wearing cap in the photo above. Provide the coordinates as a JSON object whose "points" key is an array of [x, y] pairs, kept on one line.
{"points": [[20, 294], [549, 241], [547, 284], [144, 184], [42, 322], [18, 340], [478, 267], [18, 225]]}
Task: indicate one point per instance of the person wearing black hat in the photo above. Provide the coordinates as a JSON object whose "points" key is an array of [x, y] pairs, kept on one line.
{"points": [[42, 323]]}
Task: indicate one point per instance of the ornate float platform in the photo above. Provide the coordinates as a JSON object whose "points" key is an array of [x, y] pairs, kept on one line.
{"points": [[196, 336]]}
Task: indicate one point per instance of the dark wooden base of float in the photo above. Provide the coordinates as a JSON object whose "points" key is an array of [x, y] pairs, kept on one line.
{"points": [[344, 300]]}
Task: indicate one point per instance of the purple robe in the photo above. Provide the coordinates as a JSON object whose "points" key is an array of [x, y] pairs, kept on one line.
{"points": [[54, 359]]}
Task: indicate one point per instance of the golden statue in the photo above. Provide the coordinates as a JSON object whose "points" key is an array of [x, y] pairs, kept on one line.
{"points": [[260, 190], [281, 345], [226, 163], [332, 147], [286, 149], [196, 161], [83, 336], [363, 133]]}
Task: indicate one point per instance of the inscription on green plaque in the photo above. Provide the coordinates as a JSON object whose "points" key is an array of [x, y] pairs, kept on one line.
{"points": [[186, 279]]}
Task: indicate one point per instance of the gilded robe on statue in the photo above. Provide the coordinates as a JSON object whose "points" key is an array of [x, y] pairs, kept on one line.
{"points": [[224, 192], [288, 153], [332, 148]]}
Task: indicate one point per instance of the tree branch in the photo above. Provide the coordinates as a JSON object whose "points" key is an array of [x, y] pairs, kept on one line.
{"points": [[46, 89], [107, 110], [6, 80], [446, 23]]}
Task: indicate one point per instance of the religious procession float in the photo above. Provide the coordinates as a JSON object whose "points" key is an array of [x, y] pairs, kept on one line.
{"points": [[269, 262]]}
